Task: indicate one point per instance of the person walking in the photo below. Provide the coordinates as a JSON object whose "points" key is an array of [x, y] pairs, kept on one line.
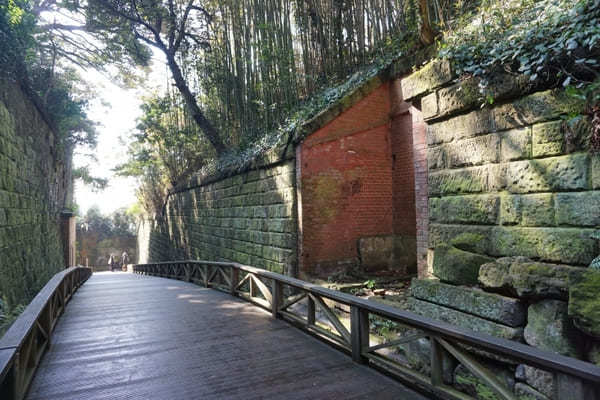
{"points": [[111, 263], [124, 260]]}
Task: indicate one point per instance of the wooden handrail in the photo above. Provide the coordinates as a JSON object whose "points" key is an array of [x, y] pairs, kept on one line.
{"points": [[22, 346], [444, 337]]}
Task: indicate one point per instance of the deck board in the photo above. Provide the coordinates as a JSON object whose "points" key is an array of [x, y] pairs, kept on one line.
{"points": [[127, 336]]}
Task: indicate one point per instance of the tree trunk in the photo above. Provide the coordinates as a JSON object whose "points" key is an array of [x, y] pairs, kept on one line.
{"points": [[427, 33], [209, 130]]}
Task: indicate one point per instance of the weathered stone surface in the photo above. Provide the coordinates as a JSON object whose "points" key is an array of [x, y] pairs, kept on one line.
{"points": [[521, 277], [548, 139], [468, 180], [418, 355], [467, 382], [458, 97], [527, 210], [516, 144], [429, 106], [578, 209], [444, 234], [558, 173], [549, 328], [474, 151], [504, 310], [457, 266], [471, 242], [465, 209], [461, 127], [537, 210], [584, 302], [558, 245], [596, 171], [432, 75], [436, 158], [538, 107], [464, 320], [526, 392]]}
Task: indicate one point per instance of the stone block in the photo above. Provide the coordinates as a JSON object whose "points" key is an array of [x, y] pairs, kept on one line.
{"points": [[474, 151], [477, 209], [526, 392], [548, 139], [471, 242], [558, 245], [431, 76], [549, 328], [457, 266], [584, 302], [510, 209], [436, 157], [443, 234], [537, 209], [596, 171], [464, 320], [461, 127], [516, 144], [578, 209], [468, 180], [429, 106], [504, 310], [521, 277], [537, 107], [568, 172]]}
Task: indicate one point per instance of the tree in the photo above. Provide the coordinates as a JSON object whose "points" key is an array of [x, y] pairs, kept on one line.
{"points": [[169, 26]]}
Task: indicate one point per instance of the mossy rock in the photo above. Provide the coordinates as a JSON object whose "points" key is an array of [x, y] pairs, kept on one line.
{"points": [[584, 302], [457, 266], [471, 242]]}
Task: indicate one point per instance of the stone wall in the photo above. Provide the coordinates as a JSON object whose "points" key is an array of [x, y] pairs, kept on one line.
{"points": [[248, 218], [513, 203], [35, 185]]}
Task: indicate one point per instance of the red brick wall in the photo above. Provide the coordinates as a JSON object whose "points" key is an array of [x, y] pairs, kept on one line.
{"points": [[363, 174], [346, 185]]}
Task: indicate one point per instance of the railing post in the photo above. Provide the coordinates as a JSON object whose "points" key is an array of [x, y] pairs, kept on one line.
{"points": [[436, 362], [276, 297], [569, 387], [359, 324], [310, 317], [234, 277]]}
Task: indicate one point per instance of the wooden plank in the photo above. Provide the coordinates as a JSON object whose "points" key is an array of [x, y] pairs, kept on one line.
{"points": [[359, 320], [478, 370], [517, 351], [397, 342], [332, 318], [262, 288], [436, 362], [277, 294], [290, 301]]}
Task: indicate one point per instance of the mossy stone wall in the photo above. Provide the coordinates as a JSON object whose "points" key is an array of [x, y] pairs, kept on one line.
{"points": [[34, 188], [248, 218]]}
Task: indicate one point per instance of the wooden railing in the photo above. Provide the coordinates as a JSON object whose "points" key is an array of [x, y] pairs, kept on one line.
{"points": [[278, 293], [22, 346]]}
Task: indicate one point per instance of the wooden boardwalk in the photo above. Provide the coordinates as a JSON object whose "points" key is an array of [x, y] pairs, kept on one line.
{"points": [[127, 336]]}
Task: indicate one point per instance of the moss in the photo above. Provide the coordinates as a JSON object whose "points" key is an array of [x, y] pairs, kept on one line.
{"points": [[482, 391], [584, 302], [469, 241]]}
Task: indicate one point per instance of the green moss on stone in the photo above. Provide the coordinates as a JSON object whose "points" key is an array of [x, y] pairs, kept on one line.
{"points": [[469, 241], [584, 302]]}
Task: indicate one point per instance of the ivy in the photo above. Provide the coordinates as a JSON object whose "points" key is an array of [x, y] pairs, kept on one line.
{"points": [[547, 40]]}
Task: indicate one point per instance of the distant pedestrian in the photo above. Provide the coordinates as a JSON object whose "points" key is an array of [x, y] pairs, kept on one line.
{"points": [[124, 260], [111, 262]]}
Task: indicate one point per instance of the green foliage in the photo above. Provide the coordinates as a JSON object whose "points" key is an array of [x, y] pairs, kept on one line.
{"points": [[27, 57], [83, 173], [8, 314], [547, 40]]}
